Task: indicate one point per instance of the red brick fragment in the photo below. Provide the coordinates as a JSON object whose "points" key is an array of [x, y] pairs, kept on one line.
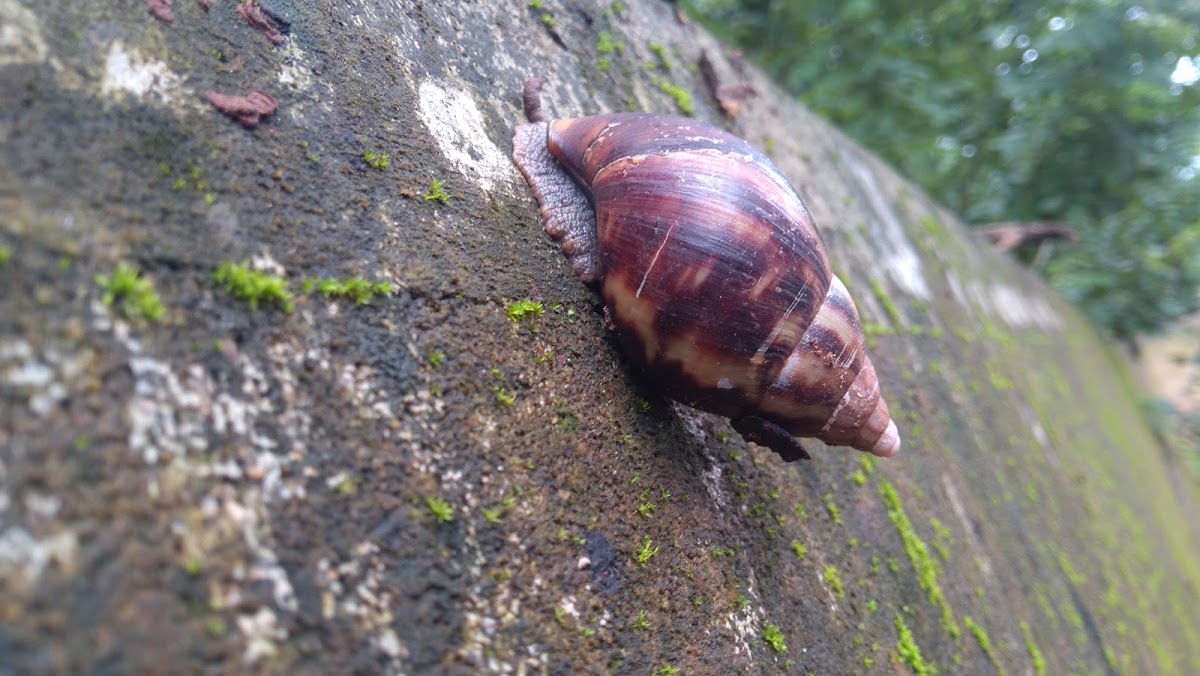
{"points": [[248, 109], [161, 10]]}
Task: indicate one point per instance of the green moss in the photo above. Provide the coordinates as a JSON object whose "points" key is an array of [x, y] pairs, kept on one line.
{"points": [[683, 99], [375, 159], [773, 637], [435, 358], [520, 309], [1064, 562], [661, 53], [832, 508], [252, 286], [799, 548], [941, 538], [215, 626], [356, 288], [872, 606], [642, 622], [834, 580], [5, 254], [924, 564], [492, 514], [437, 192], [504, 397], [548, 20], [984, 642], [133, 294], [906, 646], [646, 552], [885, 300], [858, 477], [1039, 663], [439, 508], [665, 670]]}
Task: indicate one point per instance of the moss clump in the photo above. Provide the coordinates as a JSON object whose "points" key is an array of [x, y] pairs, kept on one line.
{"points": [[375, 159], [646, 552], [924, 564], [520, 309], [252, 286], [885, 300], [1035, 653], [132, 293], [683, 99], [773, 637], [907, 647], [832, 508], [834, 580], [984, 642], [356, 288], [799, 548], [437, 192], [5, 254], [439, 508]]}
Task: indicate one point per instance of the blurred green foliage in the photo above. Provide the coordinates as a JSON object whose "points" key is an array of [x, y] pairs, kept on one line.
{"points": [[1018, 111]]}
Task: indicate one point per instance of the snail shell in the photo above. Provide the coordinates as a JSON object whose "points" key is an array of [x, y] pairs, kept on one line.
{"points": [[712, 271]]}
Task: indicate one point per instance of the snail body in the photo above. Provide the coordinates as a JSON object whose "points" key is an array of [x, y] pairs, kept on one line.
{"points": [[712, 271]]}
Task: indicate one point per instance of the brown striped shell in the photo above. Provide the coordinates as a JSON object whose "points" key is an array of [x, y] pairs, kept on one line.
{"points": [[713, 273]]}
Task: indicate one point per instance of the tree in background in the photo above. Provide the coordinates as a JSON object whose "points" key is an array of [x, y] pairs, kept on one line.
{"points": [[1078, 112]]}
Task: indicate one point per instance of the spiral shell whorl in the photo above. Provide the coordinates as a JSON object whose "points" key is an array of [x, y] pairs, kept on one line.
{"points": [[714, 275]]}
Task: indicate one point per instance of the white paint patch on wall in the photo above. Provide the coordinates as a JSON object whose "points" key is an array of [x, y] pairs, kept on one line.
{"points": [[458, 127], [898, 255], [130, 73]]}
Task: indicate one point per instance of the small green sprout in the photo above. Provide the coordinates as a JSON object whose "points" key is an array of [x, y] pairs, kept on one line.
{"points": [[801, 512], [646, 509], [872, 606], [5, 254], [134, 293], [562, 534], [665, 670], [859, 477], [520, 309], [799, 548], [435, 358], [439, 508], [252, 286], [646, 552], [535, 4], [492, 514], [641, 623], [437, 192], [345, 486], [548, 19], [636, 476], [773, 637], [375, 159], [665, 495]]}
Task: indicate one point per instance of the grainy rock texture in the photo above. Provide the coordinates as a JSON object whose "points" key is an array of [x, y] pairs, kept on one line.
{"points": [[232, 488]]}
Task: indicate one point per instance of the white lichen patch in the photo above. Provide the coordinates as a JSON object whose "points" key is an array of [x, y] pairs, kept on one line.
{"points": [[745, 622], [24, 557], [21, 38], [39, 376], [1007, 303], [896, 254], [458, 127], [356, 589], [129, 73]]}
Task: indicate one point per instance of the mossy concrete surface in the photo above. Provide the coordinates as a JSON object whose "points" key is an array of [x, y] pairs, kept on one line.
{"points": [[430, 482]]}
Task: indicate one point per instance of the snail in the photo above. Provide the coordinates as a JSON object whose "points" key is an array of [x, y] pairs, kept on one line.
{"points": [[714, 277]]}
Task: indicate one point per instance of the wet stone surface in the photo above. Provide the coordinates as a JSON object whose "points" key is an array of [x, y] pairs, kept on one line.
{"points": [[419, 483]]}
